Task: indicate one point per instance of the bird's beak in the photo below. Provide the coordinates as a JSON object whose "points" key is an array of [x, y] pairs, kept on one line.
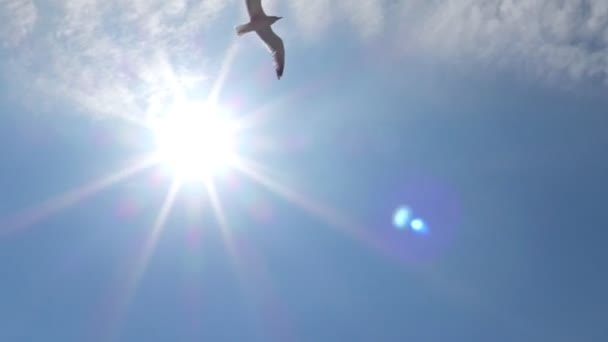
{"points": [[280, 18]]}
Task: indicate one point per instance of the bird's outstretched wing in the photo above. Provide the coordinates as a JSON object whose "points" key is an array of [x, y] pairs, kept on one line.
{"points": [[274, 43], [254, 7]]}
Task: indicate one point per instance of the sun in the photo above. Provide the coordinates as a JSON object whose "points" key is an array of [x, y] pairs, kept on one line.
{"points": [[194, 140]]}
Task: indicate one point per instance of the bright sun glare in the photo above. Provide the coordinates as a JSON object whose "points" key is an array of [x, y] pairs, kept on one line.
{"points": [[195, 140]]}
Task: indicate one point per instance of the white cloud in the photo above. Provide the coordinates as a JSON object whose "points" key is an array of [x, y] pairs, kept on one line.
{"points": [[312, 17], [17, 19], [367, 16], [109, 55], [556, 40], [562, 41]]}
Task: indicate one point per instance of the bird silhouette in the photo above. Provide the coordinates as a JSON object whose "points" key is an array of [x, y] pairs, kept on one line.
{"points": [[261, 24]]}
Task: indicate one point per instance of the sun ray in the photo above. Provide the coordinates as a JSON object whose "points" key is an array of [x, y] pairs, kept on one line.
{"points": [[41, 211], [139, 264], [323, 212], [266, 111], [335, 219], [273, 315], [224, 70], [152, 239], [216, 206], [220, 216], [255, 271], [168, 75], [257, 116]]}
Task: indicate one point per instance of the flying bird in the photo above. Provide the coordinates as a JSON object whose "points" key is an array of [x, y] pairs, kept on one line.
{"points": [[261, 24]]}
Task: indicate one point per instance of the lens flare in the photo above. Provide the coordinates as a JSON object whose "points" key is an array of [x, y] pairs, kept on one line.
{"points": [[418, 225], [402, 217]]}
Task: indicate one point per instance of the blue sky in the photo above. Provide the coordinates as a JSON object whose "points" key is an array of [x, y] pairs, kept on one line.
{"points": [[486, 118]]}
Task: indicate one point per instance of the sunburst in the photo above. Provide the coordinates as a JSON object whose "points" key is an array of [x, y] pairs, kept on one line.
{"points": [[196, 140]]}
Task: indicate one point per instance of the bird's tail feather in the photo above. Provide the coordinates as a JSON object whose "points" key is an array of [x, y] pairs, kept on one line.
{"points": [[242, 29]]}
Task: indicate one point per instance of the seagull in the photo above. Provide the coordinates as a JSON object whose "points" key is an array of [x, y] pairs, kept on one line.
{"points": [[261, 24]]}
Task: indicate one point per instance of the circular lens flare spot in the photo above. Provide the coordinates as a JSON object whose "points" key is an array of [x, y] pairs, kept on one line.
{"points": [[402, 217], [418, 225]]}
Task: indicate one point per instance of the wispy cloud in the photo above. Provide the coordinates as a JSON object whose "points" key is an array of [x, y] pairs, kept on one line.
{"points": [[109, 56], [312, 17], [553, 40], [17, 19], [315, 17], [367, 16]]}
